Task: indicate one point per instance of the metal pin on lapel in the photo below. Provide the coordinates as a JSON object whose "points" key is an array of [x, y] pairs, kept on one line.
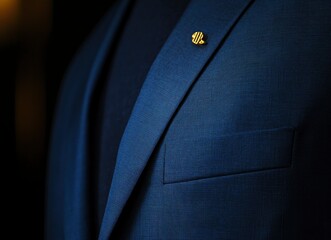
{"points": [[199, 38]]}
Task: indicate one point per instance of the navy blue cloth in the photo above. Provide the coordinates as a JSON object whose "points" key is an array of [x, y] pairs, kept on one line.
{"points": [[148, 26], [229, 140]]}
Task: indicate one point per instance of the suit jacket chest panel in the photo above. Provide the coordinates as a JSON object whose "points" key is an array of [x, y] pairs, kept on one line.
{"points": [[265, 75]]}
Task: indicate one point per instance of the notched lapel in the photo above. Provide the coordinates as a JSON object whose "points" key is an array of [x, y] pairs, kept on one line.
{"points": [[76, 189], [176, 67]]}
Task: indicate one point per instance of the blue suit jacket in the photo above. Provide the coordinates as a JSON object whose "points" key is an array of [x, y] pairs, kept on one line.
{"points": [[229, 140]]}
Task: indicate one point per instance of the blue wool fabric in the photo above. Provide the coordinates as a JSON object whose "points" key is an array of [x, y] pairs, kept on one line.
{"points": [[228, 140], [143, 34]]}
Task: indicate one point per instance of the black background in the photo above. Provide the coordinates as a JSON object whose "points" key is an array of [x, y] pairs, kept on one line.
{"points": [[71, 22]]}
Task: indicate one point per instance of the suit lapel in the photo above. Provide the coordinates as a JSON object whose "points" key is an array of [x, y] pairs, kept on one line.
{"points": [[178, 64], [76, 190]]}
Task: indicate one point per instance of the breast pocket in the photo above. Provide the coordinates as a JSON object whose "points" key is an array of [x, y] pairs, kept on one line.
{"points": [[205, 157]]}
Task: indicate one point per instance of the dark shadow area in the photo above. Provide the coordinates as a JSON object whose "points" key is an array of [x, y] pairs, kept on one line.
{"points": [[38, 39]]}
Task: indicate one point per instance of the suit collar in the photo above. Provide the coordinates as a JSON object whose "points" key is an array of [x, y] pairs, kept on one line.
{"points": [[175, 69], [76, 217]]}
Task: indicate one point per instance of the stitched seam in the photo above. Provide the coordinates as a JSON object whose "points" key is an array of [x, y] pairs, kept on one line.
{"points": [[228, 175], [250, 132]]}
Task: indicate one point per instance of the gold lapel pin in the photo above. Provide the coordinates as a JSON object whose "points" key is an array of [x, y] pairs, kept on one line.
{"points": [[199, 38]]}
